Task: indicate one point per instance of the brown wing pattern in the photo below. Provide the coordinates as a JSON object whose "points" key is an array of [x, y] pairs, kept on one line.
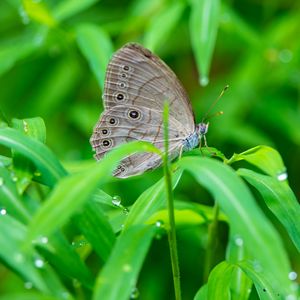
{"points": [[135, 76]]}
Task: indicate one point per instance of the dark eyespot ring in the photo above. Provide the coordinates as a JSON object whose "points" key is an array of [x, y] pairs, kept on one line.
{"points": [[134, 114], [123, 75], [126, 68], [122, 85], [104, 131], [106, 143], [112, 121], [120, 96]]}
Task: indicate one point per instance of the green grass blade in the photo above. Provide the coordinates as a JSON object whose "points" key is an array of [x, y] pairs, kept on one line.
{"points": [[263, 157], [74, 190], [162, 24], [68, 8], [245, 217], [96, 228], [150, 202], [97, 48], [42, 278], [204, 23], [241, 284], [45, 161], [23, 168], [280, 199], [10, 199], [218, 285], [119, 276]]}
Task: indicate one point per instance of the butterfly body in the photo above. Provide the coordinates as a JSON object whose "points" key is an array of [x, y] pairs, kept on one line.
{"points": [[136, 85]]}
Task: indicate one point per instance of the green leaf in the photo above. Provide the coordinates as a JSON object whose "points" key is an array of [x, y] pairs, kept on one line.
{"points": [[68, 8], [10, 199], [151, 201], [38, 12], [74, 190], [218, 285], [97, 48], [263, 157], [23, 167], [280, 199], [244, 216], [59, 253], [119, 275], [204, 22], [162, 25], [43, 278], [44, 160], [96, 228], [241, 284], [27, 296]]}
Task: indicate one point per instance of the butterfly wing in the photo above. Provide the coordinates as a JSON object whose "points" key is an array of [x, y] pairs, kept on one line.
{"points": [[124, 123], [135, 76]]}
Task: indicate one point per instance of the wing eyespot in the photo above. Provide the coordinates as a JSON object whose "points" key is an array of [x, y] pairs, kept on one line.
{"points": [[134, 114]]}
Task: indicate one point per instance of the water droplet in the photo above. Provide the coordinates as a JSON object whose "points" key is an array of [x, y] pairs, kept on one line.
{"points": [[116, 200], [257, 266], [3, 211], [1, 181], [125, 210], [285, 55], [127, 268], [282, 176], [25, 126], [28, 285], [239, 241], [43, 240], [39, 263], [204, 81], [19, 257], [159, 223], [293, 275], [134, 293]]}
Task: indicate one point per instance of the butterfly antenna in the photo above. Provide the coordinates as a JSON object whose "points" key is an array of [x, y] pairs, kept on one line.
{"points": [[214, 104]]}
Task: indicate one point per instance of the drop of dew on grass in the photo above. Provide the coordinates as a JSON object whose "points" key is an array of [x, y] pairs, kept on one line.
{"points": [[3, 211], [257, 266], [39, 263], [134, 293], [293, 275], [28, 285], [204, 81], [239, 241], [25, 126], [159, 223], [282, 176], [127, 268], [1, 181], [116, 201]]}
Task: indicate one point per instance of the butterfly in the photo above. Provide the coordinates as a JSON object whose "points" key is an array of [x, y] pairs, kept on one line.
{"points": [[136, 85]]}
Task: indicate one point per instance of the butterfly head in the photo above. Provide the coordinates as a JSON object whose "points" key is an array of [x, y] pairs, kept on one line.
{"points": [[202, 129]]}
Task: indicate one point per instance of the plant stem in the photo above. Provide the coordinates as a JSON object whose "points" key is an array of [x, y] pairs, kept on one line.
{"points": [[170, 205], [211, 242]]}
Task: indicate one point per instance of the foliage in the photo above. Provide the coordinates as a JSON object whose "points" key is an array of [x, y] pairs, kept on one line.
{"points": [[69, 230]]}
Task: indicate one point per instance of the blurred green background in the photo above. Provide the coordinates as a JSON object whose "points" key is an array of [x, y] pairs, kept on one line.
{"points": [[48, 69]]}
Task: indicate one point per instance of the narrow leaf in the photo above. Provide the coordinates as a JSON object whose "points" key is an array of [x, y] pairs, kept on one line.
{"points": [[204, 22], [97, 48]]}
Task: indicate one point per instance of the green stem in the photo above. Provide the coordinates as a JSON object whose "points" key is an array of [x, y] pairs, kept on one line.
{"points": [[170, 204], [211, 243]]}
